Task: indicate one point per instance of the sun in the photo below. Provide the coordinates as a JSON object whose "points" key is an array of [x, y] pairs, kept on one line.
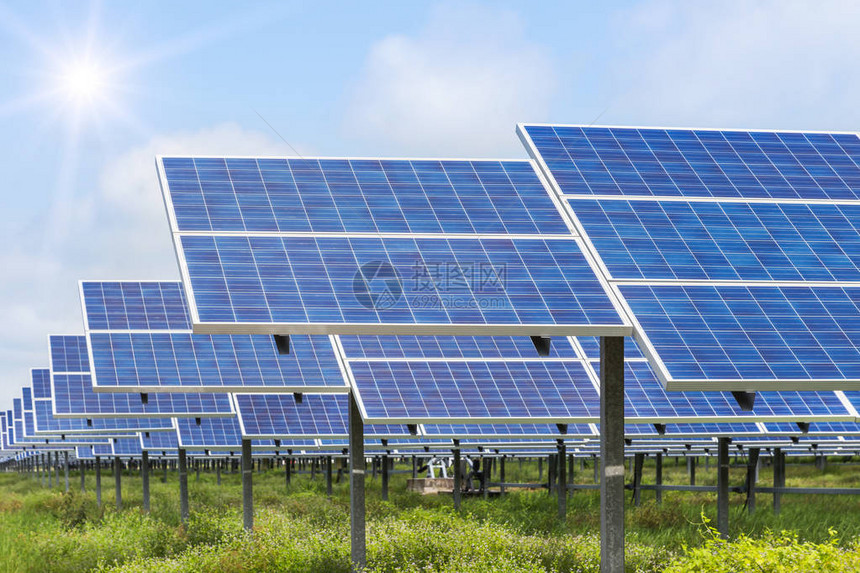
{"points": [[84, 82]]}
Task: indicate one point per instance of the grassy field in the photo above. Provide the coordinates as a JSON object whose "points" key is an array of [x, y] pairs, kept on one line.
{"points": [[300, 529]]}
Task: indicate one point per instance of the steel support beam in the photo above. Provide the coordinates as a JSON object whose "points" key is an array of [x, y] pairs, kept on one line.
{"points": [[384, 463], [752, 471], [638, 462], [723, 487], [358, 541], [458, 476], [561, 488], [778, 478], [66, 469], [502, 476], [328, 486], [98, 481], [81, 467], [612, 454], [658, 479], [247, 486]]}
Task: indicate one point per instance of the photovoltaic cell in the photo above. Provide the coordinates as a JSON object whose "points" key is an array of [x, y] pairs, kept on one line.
{"points": [[475, 391], [46, 423], [751, 332], [358, 196], [126, 446], [699, 163], [499, 430], [69, 353], [159, 440], [41, 378], [724, 241]]}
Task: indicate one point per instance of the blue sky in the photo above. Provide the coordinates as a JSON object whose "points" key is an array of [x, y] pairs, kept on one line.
{"points": [[80, 198]]}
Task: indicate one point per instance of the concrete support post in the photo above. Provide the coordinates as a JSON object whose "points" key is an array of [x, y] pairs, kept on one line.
{"points": [[612, 454], [144, 477], [247, 486], [358, 541], [117, 477], [184, 512], [723, 487]]}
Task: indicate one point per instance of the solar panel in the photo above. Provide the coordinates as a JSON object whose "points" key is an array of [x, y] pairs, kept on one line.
{"points": [[591, 348], [816, 429], [159, 441], [736, 252], [141, 340], [475, 392], [645, 400], [73, 396], [215, 434], [438, 261], [504, 430], [278, 416], [126, 447], [448, 347], [719, 334]]}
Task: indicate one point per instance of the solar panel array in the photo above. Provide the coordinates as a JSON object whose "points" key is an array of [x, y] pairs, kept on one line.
{"points": [[734, 251]]}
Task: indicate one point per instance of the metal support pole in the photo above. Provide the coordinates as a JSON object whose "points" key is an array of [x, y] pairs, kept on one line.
{"points": [[50, 472], [117, 478], [596, 461], [98, 481], [288, 471], [384, 462], [502, 476], [197, 470], [458, 476], [550, 473], [218, 471], [43, 472], [778, 478], [658, 479], [328, 487], [561, 489], [612, 454], [485, 478], [144, 477], [81, 466], [247, 486], [414, 467], [570, 466], [57, 467], [183, 486], [358, 553], [723, 487], [540, 469], [66, 469], [638, 462], [691, 469], [752, 470]]}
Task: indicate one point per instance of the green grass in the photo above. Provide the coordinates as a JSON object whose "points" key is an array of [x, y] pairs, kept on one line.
{"points": [[297, 528]]}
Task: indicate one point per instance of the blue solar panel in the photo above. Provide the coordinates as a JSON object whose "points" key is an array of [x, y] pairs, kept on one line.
{"points": [[212, 433], [46, 423], [816, 428], [169, 358], [127, 447], [645, 399], [41, 378], [471, 430], [724, 241], [472, 392], [434, 282], [17, 410], [318, 415], [487, 347], [69, 354], [320, 195], [699, 163], [27, 394], [159, 440], [750, 332], [74, 398], [84, 453], [733, 429]]}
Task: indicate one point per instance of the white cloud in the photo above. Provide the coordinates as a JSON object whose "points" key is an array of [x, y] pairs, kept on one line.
{"points": [[119, 232], [458, 87], [772, 63]]}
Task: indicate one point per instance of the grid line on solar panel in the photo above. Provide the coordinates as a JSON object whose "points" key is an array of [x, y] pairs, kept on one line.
{"points": [[46, 423], [318, 415], [444, 285], [68, 353], [723, 241], [647, 402], [134, 305], [357, 196], [474, 392], [685, 162], [777, 337], [370, 347]]}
